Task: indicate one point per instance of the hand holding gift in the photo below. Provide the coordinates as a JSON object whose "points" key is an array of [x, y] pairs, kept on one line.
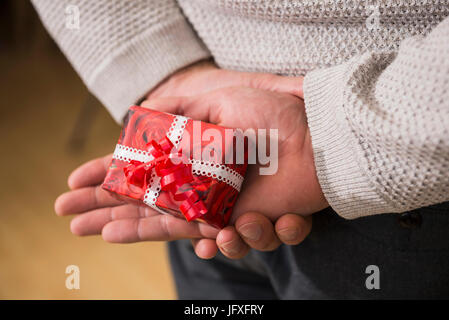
{"points": [[294, 188], [160, 161]]}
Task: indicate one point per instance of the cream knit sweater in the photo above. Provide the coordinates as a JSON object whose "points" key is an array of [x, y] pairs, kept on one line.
{"points": [[376, 86]]}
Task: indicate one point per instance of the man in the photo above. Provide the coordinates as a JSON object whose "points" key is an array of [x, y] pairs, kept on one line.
{"points": [[375, 94]]}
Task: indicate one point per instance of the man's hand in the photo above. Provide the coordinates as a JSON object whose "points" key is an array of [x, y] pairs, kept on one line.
{"points": [[204, 76], [294, 188], [99, 213]]}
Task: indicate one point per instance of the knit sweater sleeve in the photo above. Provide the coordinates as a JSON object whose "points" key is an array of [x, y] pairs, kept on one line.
{"points": [[380, 127], [121, 49]]}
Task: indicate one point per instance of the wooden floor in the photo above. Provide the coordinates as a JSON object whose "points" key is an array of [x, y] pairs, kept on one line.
{"points": [[40, 99]]}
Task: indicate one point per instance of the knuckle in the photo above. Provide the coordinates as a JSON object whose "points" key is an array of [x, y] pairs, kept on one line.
{"points": [[139, 229], [97, 196], [165, 226]]}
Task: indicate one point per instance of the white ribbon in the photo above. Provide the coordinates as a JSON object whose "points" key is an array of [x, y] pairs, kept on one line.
{"points": [[199, 167]]}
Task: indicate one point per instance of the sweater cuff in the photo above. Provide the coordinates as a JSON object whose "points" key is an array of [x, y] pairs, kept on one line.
{"points": [[133, 70], [338, 153]]}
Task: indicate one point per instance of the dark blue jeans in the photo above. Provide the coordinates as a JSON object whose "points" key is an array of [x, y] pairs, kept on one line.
{"points": [[410, 250]]}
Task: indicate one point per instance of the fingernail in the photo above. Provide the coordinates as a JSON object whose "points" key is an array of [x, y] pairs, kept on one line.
{"points": [[289, 234], [251, 231], [231, 247]]}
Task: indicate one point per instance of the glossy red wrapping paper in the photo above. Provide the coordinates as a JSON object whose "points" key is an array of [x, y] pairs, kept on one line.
{"points": [[142, 126]]}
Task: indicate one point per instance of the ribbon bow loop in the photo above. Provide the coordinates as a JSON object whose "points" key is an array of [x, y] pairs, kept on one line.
{"points": [[173, 174]]}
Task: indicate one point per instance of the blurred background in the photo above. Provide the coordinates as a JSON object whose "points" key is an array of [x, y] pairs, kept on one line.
{"points": [[49, 125]]}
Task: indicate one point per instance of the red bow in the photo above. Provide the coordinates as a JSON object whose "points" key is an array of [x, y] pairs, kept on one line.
{"points": [[173, 176]]}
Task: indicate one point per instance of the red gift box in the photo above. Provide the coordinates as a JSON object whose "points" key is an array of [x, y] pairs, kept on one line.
{"points": [[160, 162]]}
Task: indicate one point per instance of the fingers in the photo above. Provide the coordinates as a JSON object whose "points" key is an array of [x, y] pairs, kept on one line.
{"points": [[90, 173], [264, 81], [205, 248], [85, 199], [257, 231], [292, 229], [161, 227], [173, 105], [92, 222], [195, 107], [254, 230], [281, 84], [231, 244]]}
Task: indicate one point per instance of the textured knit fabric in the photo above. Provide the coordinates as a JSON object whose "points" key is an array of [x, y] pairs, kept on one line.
{"points": [[122, 48], [376, 87]]}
